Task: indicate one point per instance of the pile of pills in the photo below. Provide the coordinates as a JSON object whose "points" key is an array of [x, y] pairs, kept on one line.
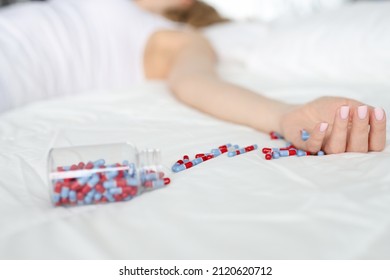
{"points": [[97, 182], [289, 150], [231, 150]]}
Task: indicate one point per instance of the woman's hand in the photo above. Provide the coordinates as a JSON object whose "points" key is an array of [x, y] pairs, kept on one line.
{"points": [[336, 125]]}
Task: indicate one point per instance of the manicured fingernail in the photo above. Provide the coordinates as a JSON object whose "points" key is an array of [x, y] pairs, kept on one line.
{"points": [[362, 112], [344, 112], [379, 114], [323, 127]]}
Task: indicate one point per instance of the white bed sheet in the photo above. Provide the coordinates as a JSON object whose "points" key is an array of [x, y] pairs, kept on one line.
{"points": [[333, 207]]}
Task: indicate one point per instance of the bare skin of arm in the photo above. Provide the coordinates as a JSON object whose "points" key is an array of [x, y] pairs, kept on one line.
{"points": [[336, 125]]}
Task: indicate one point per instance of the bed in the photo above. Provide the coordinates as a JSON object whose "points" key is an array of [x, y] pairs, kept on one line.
{"points": [[331, 207]]}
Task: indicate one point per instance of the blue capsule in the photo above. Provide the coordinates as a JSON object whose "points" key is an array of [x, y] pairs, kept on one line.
{"points": [[305, 135], [131, 181], [111, 175], [301, 153], [91, 194], [83, 180], [275, 155], [320, 153], [155, 184], [94, 180], [197, 161], [72, 196], [115, 191], [178, 168], [216, 152], [109, 184], [109, 197], [284, 153], [99, 163], [150, 176], [65, 192], [98, 196], [56, 198], [88, 200]]}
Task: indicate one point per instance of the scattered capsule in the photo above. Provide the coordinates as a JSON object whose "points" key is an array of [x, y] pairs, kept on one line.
{"points": [[242, 151], [287, 153], [320, 153], [275, 155], [275, 136], [266, 150], [302, 153]]}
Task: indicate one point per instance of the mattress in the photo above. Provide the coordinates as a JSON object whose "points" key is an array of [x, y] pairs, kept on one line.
{"points": [[331, 207]]}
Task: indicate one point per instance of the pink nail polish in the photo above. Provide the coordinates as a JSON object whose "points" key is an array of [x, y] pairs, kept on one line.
{"points": [[362, 112], [379, 114], [344, 112], [323, 127]]}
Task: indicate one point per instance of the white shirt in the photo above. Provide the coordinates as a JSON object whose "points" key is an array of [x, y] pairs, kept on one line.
{"points": [[65, 47]]}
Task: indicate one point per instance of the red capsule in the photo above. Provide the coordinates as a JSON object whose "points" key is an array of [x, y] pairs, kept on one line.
{"points": [[58, 187], [99, 188], [80, 196], [267, 150], [89, 165], [65, 201], [81, 165], [292, 152], [167, 181], [199, 155], [268, 156], [121, 182], [60, 169], [75, 186], [250, 148], [188, 164], [118, 197], [74, 167], [133, 191], [186, 158], [179, 162], [86, 190], [223, 150], [224, 146]]}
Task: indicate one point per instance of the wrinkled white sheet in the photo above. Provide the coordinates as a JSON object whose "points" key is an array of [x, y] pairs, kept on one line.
{"points": [[333, 207]]}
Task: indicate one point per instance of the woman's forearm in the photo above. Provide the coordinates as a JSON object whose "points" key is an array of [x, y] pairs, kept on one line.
{"points": [[194, 81]]}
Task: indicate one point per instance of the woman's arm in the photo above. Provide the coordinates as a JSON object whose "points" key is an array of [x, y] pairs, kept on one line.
{"points": [[190, 65]]}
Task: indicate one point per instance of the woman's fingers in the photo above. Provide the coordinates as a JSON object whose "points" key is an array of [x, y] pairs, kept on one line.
{"points": [[358, 136], [354, 128], [377, 136], [337, 141]]}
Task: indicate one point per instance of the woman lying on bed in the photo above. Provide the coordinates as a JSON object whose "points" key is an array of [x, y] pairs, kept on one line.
{"points": [[188, 62], [124, 35]]}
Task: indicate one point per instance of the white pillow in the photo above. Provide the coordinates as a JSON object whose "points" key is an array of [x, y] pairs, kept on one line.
{"points": [[269, 10], [233, 40], [349, 45]]}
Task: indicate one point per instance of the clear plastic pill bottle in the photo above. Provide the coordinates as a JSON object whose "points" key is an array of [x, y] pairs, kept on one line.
{"points": [[99, 174]]}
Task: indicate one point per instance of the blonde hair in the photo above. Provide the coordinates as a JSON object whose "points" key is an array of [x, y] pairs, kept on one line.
{"points": [[198, 15]]}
